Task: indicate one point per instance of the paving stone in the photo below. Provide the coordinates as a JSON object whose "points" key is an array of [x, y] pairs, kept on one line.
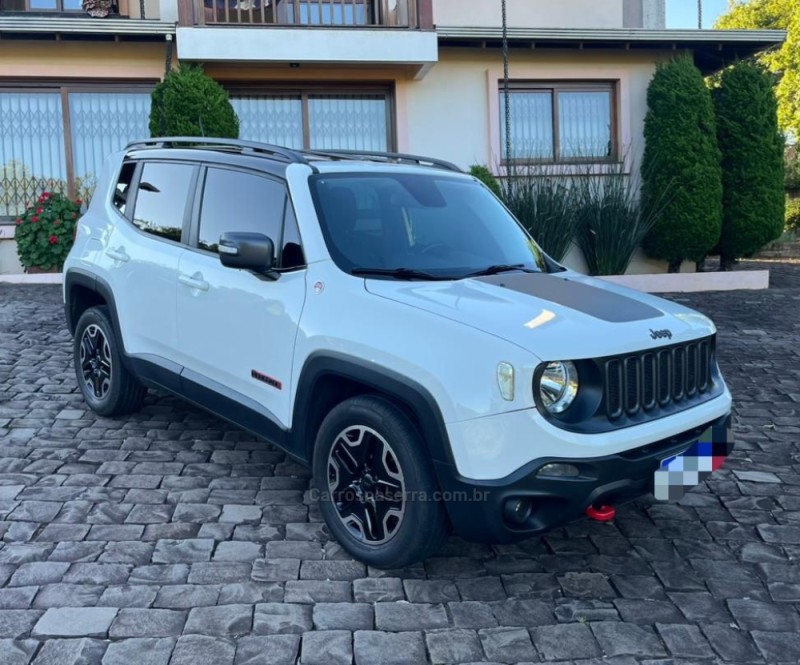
{"points": [[700, 607], [127, 596], [327, 647], [648, 611], [183, 551], [565, 641], [68, 595], [507, 644], [267, 649], [623, 639], [472, 614], [128, 552], [239, 514], [293, 549], [586, 585], [17, 624], [527, 613], [684, 641], [431, 591], [528, 585], [238, 550], [275, 570], [377, 589], [402, 616], [643, 587], [220, 572], [567, 611], [222, 620], [18, 652], [250, 593], [75, 622], [138, 622], [281, 618], [141, 651], [97, 573], [72, 552], [730, 643], [17, 598], [70, 652], [332, 570], [482, 588], [38, 573], [203, 650], [453, 645], [186, 596], [342, 616], [778, 647], [317, 591], [758, 615], [379, 648]]}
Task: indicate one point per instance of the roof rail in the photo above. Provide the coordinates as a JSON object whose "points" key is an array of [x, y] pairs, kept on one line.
{"points": [[252, 147], [398, 157]]}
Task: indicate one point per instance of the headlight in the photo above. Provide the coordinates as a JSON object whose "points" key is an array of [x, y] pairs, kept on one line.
{"points": [[558, 386]]}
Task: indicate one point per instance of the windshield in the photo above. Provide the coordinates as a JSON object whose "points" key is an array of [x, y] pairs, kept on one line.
{"points": [[419, 226]]}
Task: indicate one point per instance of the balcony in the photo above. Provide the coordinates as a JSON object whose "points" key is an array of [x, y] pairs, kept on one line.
{"points": [[385, 33], [319, 13]]}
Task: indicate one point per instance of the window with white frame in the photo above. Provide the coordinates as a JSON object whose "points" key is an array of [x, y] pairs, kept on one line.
{"points": [[56, 139], [316, 120], [560, 122]]}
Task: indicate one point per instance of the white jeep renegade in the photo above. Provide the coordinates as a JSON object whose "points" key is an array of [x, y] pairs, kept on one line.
{"points": [[385, 320]]}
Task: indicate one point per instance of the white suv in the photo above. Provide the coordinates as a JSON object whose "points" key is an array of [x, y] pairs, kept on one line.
{"points": [[385, 320]]}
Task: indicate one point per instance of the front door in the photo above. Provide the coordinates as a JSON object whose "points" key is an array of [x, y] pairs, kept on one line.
{"points": [[236, 330]]}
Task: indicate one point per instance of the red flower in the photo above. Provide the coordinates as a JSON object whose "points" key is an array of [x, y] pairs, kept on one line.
{"points": [[34, 218], [39, 211], [45, 195], [79, 201], [53, 240], [19, 221]]}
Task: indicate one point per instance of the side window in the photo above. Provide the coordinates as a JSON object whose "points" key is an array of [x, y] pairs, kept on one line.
{"points": [[238, 201], [161, 198], [123, 188], [292, 254]]}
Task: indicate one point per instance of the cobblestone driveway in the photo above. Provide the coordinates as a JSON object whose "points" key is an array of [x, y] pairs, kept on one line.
{"points": [[170, 536]]}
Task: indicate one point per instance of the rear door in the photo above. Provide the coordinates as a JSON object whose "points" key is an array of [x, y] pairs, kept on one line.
{"points": [[236, 330], [144, 252]]}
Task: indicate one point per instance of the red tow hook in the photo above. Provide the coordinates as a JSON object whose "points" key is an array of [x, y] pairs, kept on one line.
{"points": [[601, 513]]}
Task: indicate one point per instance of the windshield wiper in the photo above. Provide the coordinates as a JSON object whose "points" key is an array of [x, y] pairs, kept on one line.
{"points": [[400, 273], [501, 267]]}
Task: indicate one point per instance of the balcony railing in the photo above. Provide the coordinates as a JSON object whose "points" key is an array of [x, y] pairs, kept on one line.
{"points": [[309, 13]]}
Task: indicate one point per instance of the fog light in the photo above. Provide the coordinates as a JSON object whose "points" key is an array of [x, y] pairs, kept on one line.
{"points": [[505, 380], [559, 470], [517, 510]]}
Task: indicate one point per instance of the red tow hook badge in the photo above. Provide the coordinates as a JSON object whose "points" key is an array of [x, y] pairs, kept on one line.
{"points": [[601, 513]]}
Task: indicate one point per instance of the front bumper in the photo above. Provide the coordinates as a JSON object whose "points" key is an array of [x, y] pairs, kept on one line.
{"points": [[477, 507]]}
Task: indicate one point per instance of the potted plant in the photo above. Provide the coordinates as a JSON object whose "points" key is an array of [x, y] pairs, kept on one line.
{"points": [[45, 232]]}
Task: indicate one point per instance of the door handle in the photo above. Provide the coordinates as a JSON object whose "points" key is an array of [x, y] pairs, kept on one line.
{"points": [[118, 254], [196, 281]]}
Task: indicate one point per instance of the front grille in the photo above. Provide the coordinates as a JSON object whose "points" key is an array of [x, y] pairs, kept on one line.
{"points": [[645, 382]]}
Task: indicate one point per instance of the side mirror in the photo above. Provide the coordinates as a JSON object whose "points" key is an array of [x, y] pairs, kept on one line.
{"points": [[247, 251]]}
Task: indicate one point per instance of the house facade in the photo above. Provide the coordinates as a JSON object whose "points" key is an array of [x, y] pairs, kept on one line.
{"points": [[419, 76]]}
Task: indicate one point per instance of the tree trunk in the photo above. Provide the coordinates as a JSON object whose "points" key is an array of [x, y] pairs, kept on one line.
{"points": [[700, 266], [726, 263], [674, 266]]}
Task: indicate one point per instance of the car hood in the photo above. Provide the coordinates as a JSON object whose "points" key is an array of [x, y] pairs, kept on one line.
{"points": [[555, 316]]}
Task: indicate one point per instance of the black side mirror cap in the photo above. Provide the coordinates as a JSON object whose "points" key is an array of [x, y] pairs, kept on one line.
{"points": [[248, 251]]}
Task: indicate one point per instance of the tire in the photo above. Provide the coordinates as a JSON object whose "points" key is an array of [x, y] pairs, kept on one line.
{"points": [[106, 384], [368, 455]]}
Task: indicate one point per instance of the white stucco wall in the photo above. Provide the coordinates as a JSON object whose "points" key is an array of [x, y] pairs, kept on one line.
{"points": [[531, 13]]}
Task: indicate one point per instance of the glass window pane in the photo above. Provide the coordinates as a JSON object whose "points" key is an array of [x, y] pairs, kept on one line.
{"points": [[348, 122], [161, 199], [531, 125], [43, 4], [584, 124], [270, 119], [103, 123], [72, 5], [237, 201], [31, 149]]}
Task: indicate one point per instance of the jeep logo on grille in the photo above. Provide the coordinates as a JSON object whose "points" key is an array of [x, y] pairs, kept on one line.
{"points": [[660, 334]]}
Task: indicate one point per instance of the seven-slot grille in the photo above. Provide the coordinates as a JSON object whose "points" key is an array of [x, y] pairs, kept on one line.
{"points": [[653, 379]]}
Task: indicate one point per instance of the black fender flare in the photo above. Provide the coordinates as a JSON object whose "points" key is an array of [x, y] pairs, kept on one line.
{"points": [[78, 277], [408, 393]]}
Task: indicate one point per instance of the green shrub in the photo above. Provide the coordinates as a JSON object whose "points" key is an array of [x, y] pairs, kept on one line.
{"points": [[611, 220], [792, 218], [189, 103], [543, 203], [792, 172], [682, 159], [45, 231], [752, 162], [483, 174]]}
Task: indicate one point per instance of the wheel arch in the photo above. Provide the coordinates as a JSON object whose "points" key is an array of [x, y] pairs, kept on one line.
{"points": [[327, 379], [83, 290]]}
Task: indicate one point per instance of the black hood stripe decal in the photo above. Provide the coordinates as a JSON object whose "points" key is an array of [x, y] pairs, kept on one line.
{"points": [[591, 300]]}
